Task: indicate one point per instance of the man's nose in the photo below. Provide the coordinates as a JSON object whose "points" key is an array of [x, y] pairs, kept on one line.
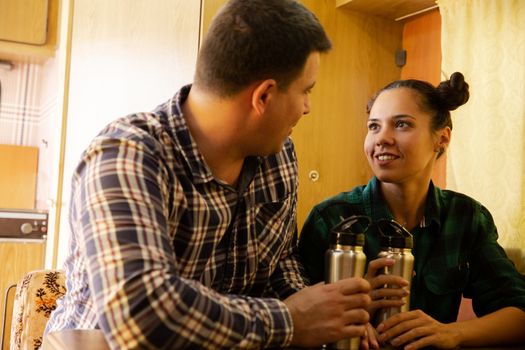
{"points": [[306, 107]]}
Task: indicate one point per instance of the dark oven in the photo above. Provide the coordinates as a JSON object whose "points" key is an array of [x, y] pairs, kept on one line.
{"points": [[23, 224]]}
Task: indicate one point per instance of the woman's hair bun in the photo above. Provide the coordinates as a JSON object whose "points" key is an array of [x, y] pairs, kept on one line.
{"points": [[453, 92]]}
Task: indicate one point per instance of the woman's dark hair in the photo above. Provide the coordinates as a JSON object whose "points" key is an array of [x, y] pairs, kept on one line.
{"points": [[251, 40], [437, 101]]}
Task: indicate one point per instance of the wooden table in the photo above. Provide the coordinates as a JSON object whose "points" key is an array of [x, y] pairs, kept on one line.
{"points": [[93, 339], [78, 339]]}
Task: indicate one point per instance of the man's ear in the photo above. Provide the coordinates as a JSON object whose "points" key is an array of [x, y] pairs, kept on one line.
{"points": [[262, 95]]}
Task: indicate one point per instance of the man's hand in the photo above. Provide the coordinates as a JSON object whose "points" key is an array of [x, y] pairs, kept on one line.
{"points": [[416, 330], [325, 313]]}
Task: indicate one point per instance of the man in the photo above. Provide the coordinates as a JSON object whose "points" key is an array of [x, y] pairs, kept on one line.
{"points": [[183, 219]]}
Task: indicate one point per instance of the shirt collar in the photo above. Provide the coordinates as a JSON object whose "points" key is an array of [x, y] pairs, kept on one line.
{"points": [[183, 140], [433, 206], [200, 171], [376, 207]]}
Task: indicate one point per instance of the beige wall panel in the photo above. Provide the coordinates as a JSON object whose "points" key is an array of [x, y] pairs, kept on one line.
{"points": [[126, 57], [18, 173], [330, 139], [17, 260]]}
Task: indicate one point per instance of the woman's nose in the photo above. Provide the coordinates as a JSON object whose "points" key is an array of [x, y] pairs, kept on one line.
{"points": [[384, 137]]}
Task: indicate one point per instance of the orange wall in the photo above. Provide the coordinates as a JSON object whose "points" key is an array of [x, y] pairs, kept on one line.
{"points": [[422, 42]]}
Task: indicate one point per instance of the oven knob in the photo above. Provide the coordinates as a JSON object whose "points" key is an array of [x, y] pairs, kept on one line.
{"points": [[26, 228]]}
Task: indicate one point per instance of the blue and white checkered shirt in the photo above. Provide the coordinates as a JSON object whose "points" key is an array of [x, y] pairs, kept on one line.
{"points": [[164, 255]]}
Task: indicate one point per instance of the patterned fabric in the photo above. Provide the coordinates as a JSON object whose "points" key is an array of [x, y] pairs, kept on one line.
{"points": [[455, 249], [35, 299], [163, 255]]}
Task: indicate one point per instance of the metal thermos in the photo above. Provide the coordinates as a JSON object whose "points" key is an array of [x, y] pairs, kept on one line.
{"points": [[345, 258], [396, 243]]}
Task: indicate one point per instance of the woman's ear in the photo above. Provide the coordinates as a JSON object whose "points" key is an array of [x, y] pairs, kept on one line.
{"points": [[443, 139], [262, 95]]}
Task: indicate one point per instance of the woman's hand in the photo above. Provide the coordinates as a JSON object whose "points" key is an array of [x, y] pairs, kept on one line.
{"points": [[383, 297], [416, 330], [371, 338]]}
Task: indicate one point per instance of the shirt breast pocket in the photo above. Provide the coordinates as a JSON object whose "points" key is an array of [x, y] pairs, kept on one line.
{"points": [[273, 222], [448, 280]]}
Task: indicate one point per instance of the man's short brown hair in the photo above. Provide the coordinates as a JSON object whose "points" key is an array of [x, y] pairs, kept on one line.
{"points": [[252, 40]]}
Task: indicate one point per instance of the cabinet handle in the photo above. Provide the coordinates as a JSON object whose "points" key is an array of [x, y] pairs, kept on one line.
{"points": [[313, 175]]}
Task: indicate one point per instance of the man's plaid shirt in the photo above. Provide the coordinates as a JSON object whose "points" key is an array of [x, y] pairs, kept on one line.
{"points": [[163, 255]]}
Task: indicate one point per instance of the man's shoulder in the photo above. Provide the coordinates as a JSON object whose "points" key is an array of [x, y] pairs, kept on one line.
{"points": [[146, 128]]}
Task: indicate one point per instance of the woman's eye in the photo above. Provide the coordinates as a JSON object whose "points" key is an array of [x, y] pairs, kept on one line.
{"points": [[372, 126], [402, 124]]}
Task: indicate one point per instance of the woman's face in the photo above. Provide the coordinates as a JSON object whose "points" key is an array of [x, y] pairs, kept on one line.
{"points": [[400, 145]]}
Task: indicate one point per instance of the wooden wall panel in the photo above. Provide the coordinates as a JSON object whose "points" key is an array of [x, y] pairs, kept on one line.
{"points": [[391, 9], [422, 41], [18, 173], [330, 139]]}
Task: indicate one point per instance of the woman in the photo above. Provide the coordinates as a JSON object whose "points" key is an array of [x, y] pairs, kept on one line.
{"points": [[455, 239]]}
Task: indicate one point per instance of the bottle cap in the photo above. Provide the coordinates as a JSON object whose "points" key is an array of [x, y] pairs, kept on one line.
{"points": [[350, 231], [393, 234]]}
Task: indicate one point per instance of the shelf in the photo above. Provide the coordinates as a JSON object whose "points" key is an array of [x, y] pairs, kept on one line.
{"points": [[17, 51], [391, 9]]}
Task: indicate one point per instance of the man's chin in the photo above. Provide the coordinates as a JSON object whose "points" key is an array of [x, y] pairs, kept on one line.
{"points": [[273, 151]]}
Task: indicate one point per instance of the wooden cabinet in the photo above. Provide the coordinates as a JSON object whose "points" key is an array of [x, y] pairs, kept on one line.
{"points": [[23, 21], [28, 29], [391, 9], [18, 176], [18, 169]]}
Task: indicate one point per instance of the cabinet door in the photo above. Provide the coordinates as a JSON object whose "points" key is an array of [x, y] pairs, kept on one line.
{"points": [[18, 172], [23, 21]]}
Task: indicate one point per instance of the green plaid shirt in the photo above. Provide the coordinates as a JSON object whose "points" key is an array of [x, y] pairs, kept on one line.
{"points": [[455, 249]]}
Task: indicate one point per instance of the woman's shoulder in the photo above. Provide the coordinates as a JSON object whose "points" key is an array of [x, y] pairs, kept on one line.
{"points": [[342, 199], [462, 204], [453, 198]]}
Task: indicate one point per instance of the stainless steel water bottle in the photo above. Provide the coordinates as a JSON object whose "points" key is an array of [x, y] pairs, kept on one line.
{"points": [[345, 258], [396, 243]]}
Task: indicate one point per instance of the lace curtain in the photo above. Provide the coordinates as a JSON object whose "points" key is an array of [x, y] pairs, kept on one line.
{"points": [[485, 40]]}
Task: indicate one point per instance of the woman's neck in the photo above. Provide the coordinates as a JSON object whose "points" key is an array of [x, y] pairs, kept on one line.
{"points": [[406, 202]]}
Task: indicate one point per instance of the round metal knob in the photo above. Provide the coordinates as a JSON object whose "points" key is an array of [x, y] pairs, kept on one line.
{"points": [[26, 228], [313, 175]]}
